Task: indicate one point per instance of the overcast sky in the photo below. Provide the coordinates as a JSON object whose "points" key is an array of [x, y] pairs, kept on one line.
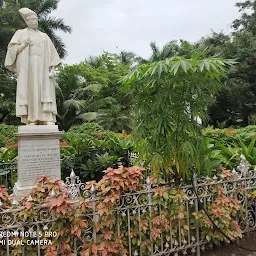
{"points": [[115, 25]]}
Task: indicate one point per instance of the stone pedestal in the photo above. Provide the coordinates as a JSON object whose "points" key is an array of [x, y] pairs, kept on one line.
{"points": [[38, 154]]}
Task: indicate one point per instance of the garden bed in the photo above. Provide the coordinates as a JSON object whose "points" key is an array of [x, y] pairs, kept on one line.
{"points": [[249, 241]]}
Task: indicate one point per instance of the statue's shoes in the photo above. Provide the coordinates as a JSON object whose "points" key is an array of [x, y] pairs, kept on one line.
{"points": [[49, 123]]}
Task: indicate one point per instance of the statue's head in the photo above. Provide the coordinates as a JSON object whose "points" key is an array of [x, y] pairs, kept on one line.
{"points": [[30, 17]]}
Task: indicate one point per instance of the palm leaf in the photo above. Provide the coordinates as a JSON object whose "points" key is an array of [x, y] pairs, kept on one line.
{"points": [[47, 7], [93, 87], [101, 103], [56, 24], [88, 117], [76, 104]]}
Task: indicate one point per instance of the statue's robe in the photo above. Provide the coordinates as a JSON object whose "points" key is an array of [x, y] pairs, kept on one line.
{"points": [[35, 98]]}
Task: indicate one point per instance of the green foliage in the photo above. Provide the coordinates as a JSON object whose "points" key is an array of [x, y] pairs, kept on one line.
{"points": [[223, 212], [87, 128], [168, 96], [10, 21], [90, 149], [236, 103], [248, 16], [8, 130], [229, 136], [89, 91], [169, 50], [205, 160], [87, 148], [8, 153], [8, 146], [231, 143], [249, 151], [228, 155]]}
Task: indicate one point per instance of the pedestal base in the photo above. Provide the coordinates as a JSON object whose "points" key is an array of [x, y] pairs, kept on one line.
{"points": [[20, 191], [38, 155]]}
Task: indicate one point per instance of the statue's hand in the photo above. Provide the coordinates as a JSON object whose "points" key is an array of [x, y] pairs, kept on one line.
{"points": [[51, 74], [25, 44], [22, 47], [28, 42]]}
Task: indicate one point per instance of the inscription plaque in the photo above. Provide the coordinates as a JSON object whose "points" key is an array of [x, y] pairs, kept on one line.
{"points": [[35, 161]]}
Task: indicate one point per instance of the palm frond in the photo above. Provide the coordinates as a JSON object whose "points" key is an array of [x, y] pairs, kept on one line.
{"points": [[42, 7], [101, 103], [126, 57], [155, 52], [88, 117], [56, 24], [169, 50], [114, 119], [75, 104], [140, 60], [94, 61], [93, 87], [58, 89], [47, 7]]}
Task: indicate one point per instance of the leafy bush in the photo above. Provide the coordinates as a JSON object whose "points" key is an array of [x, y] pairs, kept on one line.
{"points": [[7, 134], [223, 211], [229, 136], [8, 130], [8, 145], [86, 128], [89, 150], [231, 143]]}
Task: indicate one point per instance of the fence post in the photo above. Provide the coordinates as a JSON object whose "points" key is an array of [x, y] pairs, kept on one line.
{"points": [[149, 191], [94, 218], [198, 252]]}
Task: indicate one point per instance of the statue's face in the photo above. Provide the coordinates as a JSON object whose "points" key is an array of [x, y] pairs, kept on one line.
{"points": [[32, 21]]}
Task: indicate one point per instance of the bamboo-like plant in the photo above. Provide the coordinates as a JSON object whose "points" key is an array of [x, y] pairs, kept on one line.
{"points": [[168, 96]]}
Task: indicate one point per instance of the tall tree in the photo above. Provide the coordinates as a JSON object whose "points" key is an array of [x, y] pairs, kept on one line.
{"points": [[173, 48], [10, 21], [127, 57], [247, 21], [235, 105], [169, 50], [90, 92]]}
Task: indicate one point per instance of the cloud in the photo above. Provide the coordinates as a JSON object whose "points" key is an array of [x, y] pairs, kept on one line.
{"points": [[115, 25]]}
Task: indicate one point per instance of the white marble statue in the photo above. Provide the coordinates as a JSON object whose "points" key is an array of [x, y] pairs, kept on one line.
{"points": [[32, 55]]}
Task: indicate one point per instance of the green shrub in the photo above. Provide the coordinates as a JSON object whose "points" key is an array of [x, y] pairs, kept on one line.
{"points": [[89, 149], [8, 141], [8, 130], [231, 143], [230, 136]]}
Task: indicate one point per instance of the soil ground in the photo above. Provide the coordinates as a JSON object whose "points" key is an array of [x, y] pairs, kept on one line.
{"points": [[249, 241]]}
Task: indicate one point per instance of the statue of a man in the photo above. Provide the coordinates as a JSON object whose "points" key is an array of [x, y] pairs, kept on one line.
{"points": [[32, 55]]}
